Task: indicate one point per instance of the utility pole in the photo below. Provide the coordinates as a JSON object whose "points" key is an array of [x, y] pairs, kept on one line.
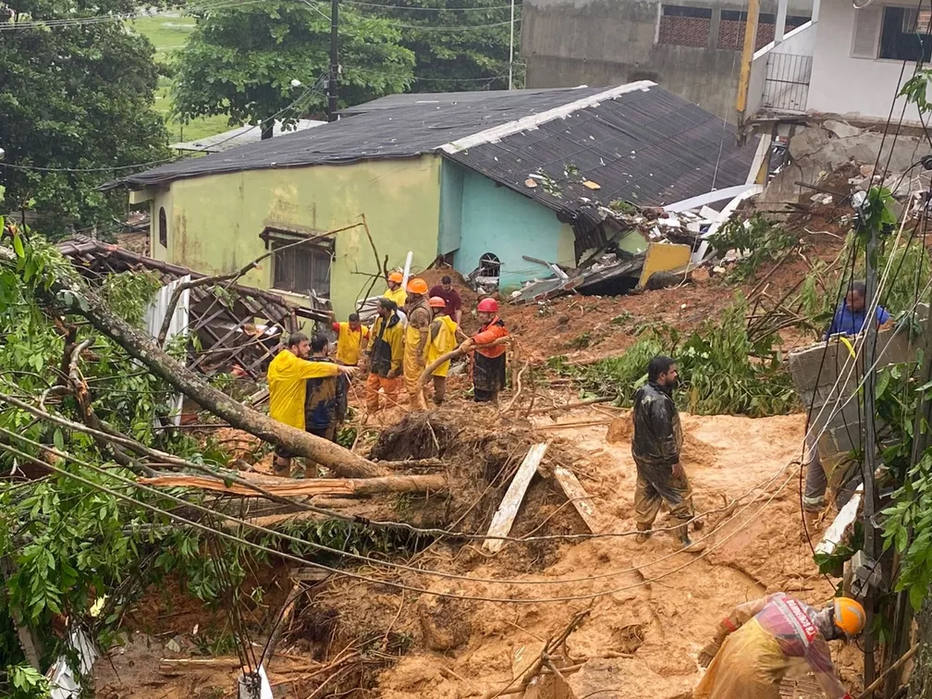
{"points": [[334, 60], [511, 49], [871, 501], [747, 55]]}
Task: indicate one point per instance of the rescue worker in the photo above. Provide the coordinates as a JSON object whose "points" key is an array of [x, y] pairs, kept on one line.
{"points": [[419, 317], [441, 341], [287, 376], [656, 446], [394, 291], [488, 373], [450, 295], [352, 336], [386, 354], [762, 640], [325, 396], [850, 319]]}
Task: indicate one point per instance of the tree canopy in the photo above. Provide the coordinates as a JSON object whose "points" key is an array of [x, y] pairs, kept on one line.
{"points": [[243, 61], [77, 108], [457, 44]]}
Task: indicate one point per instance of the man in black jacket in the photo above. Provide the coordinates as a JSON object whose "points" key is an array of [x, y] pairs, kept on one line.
{"points": [[656, 446]]}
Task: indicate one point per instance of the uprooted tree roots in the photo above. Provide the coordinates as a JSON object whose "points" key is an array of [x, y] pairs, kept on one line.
{"points": [[366, 628]]}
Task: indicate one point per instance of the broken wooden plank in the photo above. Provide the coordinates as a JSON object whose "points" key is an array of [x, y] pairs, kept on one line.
{"points": [[504, 516], [302, 486], [577, 495], [835, 534]]}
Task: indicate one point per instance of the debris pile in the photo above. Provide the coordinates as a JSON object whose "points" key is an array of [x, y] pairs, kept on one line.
{"points": [[650, 246]]}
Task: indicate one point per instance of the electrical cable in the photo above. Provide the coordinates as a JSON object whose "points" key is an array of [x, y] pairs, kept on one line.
{"points": [[400, 586], [348, 554], [224, 474]]}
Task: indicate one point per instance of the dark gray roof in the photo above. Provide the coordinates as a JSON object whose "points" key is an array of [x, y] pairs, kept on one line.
{"points": [[397, 126], [644, 146]]}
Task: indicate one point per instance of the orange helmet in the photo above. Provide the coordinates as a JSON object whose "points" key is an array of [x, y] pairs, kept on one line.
{"points": [[396, 277], [849, 616], [489, 305], [416, 285], [437, 302]]}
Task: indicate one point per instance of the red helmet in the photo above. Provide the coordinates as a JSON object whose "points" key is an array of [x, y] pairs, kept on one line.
{"points": [[437, 302], [488, 305]]}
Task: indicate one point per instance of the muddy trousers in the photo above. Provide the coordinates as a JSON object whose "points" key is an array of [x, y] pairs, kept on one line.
{"points": [[440, 389], [816, 480], [676, 495], [391, 388], [413, 366]]}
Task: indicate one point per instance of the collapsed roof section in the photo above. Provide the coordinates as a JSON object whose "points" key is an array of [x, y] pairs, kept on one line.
{"points": [[240, 326]]}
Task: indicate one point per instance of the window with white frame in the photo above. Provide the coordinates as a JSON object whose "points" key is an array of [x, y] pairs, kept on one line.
{"points": [[892, 32], [300, 267]]}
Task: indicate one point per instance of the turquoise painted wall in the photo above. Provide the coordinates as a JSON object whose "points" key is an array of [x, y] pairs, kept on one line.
{"points": [[498, 220], [449, 235]]}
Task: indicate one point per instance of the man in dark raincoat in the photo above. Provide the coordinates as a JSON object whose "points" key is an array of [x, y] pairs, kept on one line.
{"points": [[656, 446]]}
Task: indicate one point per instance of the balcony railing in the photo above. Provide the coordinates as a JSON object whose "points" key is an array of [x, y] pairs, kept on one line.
{"points": [[786, 85]]}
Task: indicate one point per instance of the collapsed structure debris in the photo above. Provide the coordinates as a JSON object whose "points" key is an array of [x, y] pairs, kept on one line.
{"points": [[240, 326]]}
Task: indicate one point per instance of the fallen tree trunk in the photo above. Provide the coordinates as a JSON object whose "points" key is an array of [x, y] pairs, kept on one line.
{"points": [[80, 300], [303, 486]]}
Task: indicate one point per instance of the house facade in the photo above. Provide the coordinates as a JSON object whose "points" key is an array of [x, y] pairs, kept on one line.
{"points": [[218, 223], [846, 62], [470, 177], [690, 47]]}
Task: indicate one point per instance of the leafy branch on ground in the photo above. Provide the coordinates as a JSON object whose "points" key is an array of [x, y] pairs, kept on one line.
{"points": [[756, 239], [721, 370]]}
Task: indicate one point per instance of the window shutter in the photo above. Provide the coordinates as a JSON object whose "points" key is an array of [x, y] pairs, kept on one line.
{"points": [[866, 31]]}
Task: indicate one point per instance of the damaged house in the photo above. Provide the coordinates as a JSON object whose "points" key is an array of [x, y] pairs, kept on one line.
{"points": [[481, 179]]}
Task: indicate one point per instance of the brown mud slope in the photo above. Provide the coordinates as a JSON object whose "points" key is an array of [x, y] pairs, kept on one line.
{"points": [[650, 608]]}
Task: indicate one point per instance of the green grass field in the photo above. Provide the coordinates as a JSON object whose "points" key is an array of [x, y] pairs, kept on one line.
{"points": [[169, 33]]}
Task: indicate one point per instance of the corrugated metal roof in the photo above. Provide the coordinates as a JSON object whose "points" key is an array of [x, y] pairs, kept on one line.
{"points": [[397, 126], [647, 147]]}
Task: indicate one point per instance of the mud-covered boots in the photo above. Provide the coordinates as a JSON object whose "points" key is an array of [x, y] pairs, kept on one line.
{"points": [[682, 534]]}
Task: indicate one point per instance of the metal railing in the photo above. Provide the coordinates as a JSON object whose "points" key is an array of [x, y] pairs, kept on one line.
{"points": [[786, 87]]}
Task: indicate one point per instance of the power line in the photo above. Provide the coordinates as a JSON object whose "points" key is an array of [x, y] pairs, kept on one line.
{"points": [[288, 556], [424, 9]]}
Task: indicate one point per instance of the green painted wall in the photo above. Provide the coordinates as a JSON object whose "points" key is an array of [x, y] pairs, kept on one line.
{"points": [[215, 221]]}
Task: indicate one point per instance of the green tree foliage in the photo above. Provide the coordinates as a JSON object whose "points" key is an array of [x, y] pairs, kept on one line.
{"points": [[241, 61], [65, 542], [472, 57], [721, 370], [74, 97]]}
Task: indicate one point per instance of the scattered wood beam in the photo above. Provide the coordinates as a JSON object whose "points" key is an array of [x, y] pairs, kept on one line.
{"points": [[846, 517], [577, 496], [505, 515]]}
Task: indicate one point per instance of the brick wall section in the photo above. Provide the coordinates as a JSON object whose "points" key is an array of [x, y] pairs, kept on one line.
{"points": [[731, 33], [685, 31]]}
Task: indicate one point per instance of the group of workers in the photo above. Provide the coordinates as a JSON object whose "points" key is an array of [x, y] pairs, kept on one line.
{"points": [[416, 327], [761, 641]]}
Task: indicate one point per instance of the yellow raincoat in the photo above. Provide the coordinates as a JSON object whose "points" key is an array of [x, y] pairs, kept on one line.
{"points": [[418, 324], [287, 378], [349, 343], [399, 296], [762, 641], [442, 340]]}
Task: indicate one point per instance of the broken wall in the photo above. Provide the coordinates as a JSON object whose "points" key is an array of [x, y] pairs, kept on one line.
{"points": [[820, 149]]}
